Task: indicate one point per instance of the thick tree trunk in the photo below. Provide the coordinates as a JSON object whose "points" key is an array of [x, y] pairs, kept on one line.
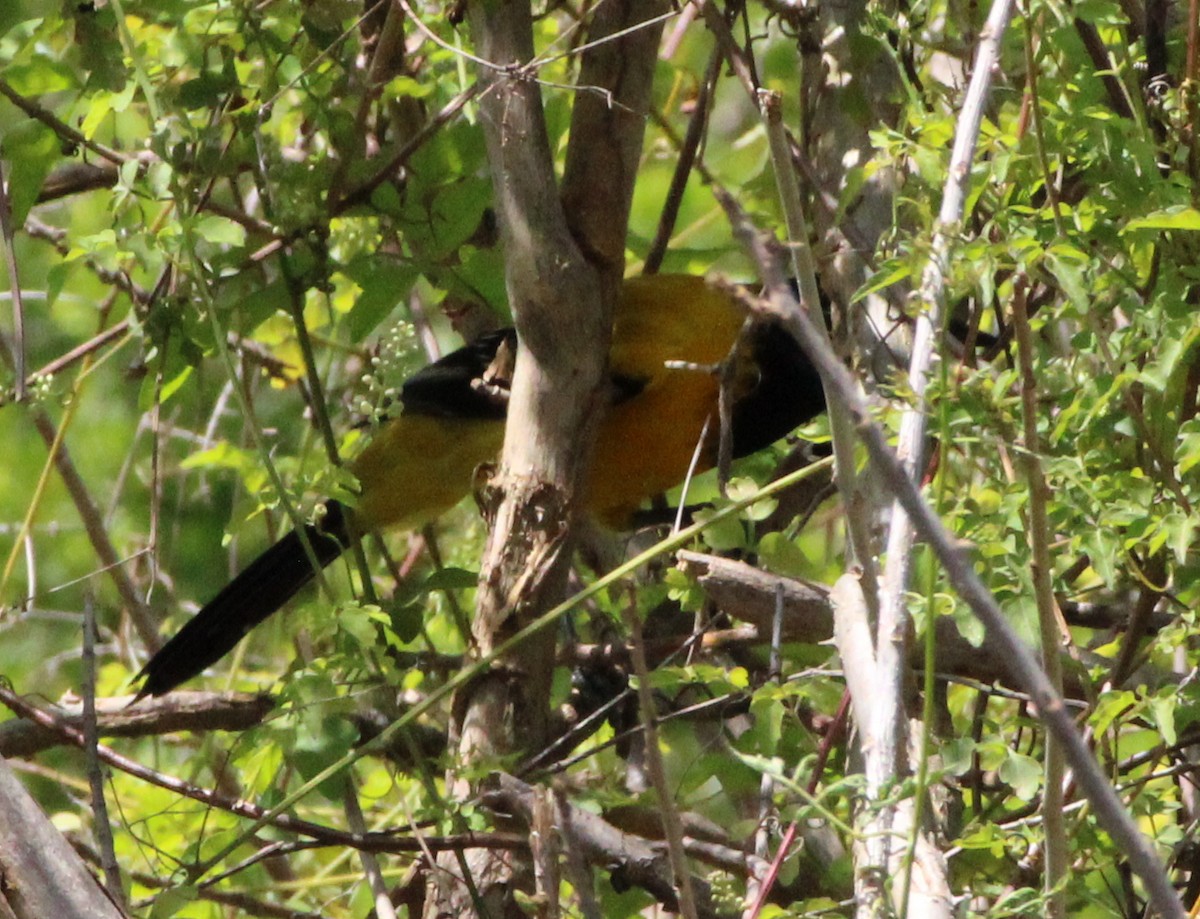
{"points": [[563, 269]]}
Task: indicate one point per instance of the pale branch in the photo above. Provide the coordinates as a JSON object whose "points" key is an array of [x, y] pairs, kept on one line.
{"points": [[884, 736], [1023, 667], [42, 874], [748, 593], [370, 864]]}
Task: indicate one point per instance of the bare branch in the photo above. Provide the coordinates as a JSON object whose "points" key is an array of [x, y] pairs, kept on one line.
{"points": [[42, 874], [627, 857]]}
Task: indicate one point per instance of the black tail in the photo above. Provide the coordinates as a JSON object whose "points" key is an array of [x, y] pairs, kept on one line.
{"points": [[269, 582]]}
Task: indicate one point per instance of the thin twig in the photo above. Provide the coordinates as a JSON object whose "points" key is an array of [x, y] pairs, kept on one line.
{"points": [[766, 789], [654, 766], [61, 128], [854, 499], [399, 840], [1049, 618], [101, 825], [358, 825], [683, 168], [14, 284]]}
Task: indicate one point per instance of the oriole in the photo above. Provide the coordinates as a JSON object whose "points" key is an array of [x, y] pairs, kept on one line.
{"points": [[422, 462]]}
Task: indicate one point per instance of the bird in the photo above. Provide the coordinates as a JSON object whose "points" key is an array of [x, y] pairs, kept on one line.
{"points": [[669, 333]]}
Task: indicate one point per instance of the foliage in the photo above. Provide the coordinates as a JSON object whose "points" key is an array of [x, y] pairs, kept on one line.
{"points": [[262, 244]]}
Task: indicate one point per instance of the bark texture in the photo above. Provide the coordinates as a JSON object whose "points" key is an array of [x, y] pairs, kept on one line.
{"points": [[40, 874], [563, 260]]}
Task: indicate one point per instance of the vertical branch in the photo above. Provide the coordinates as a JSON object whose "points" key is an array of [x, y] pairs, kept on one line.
{"points": [[102, 828], [14, 283], [370, 863], [1057, 852], [855, 500], [563, 267], [672, 826], [608, 124], [556, 382], [544, 850], [886, 761], [880, 715]]}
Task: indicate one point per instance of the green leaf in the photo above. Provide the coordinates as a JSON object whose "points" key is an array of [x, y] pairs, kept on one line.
{"points": [[1172, 347], [452, 579], [1098, 12], [1163, 706], [723, 536], [405, 619], [222, 455], [99, 47], [257, 307], [171, 901], [31, 150], [958, 755], [1173, 218], [385, 285], [220, 231], [206, 90], [361, 621], [743, 487], [1023, 773], [1187, 449], [889, 274], [986, 836], [1070, 275], [782, 555], [56, 280], [14, 12], [405, 86], [322, 740], [768, 714], [171, 386], [40, 76], [1109, 706]]}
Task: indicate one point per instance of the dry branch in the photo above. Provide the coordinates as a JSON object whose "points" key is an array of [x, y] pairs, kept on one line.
{"points": [[630, 860], [42, 875], [181, 711]]}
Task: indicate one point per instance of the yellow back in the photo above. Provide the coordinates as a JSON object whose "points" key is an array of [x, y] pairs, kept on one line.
{"points": [[419, 466], [671, 317]]}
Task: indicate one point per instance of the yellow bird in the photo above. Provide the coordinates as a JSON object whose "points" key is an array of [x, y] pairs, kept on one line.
{"points": [[422, 462]]}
